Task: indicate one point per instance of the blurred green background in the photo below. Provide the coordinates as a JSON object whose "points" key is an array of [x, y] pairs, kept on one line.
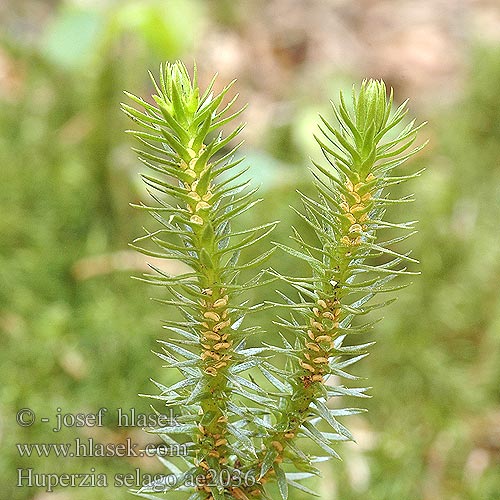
{"points": [[76, 332]]}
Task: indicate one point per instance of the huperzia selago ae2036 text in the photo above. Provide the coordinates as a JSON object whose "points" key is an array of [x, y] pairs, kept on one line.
{"points": [[245, 440]]}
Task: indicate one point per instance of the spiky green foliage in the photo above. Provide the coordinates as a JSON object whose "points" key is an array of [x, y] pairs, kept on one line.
{"points": [[349, 266], [242, 437], [201, 192]]}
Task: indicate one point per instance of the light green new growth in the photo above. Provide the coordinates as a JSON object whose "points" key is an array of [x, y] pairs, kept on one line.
{"points": [[243, 440]]}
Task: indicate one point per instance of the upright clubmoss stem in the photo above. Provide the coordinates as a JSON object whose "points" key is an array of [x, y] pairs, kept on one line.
{"points": [[182, 123], [346, 221], [318, 343], [215, 334]]}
